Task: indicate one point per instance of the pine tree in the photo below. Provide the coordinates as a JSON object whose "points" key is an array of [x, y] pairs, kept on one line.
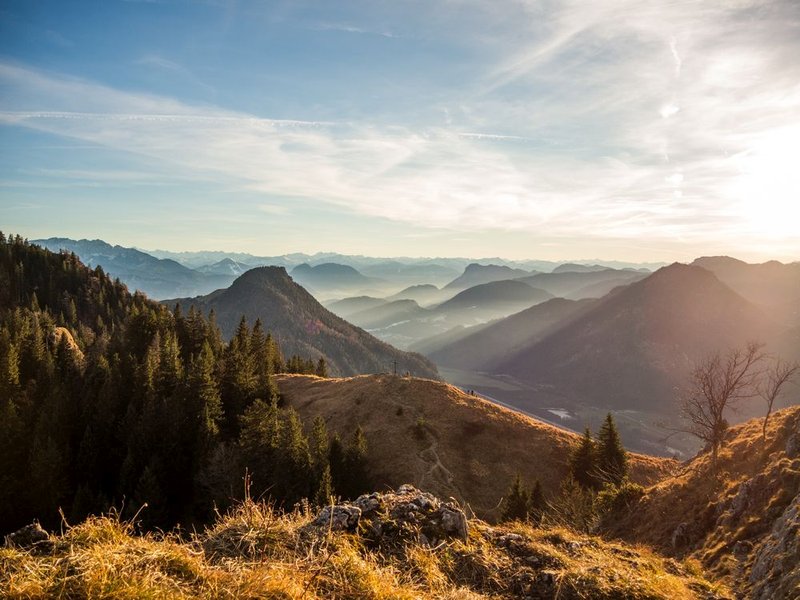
{"points": [[297, 478], [259, 441], [203, 392], [612, 460], [582, 461], [47, 478], [150, 492], [322, 368], [9, 366], [13, 460], [537, 504], [274, 355], [324, 488], [170, 368], [262, 350], [239, 382], [516, 504], [356, 479], [319, 445], [336, 460]]}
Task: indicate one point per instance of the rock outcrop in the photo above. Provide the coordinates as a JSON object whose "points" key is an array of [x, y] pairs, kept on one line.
{"points": [[61, 335], [776, 566], [407, 514]]}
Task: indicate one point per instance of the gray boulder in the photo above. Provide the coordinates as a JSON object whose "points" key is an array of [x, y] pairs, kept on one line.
{"points": [[31, 537], [341, 517]]}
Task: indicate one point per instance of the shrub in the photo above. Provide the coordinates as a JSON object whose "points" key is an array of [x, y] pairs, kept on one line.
{"points": [[616, 499]]}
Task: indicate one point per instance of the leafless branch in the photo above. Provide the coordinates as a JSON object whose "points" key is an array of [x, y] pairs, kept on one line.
{"points": [[771, 384]]}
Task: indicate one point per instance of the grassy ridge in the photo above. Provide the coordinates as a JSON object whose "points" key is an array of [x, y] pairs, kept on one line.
{"points": [[444, 440]]}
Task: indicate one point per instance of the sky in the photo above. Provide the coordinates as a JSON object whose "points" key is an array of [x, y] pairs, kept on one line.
{"points": [[632, 130]]}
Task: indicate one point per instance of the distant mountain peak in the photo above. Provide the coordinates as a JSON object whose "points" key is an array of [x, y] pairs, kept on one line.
{"points": [[578, 268], [270, 275], [475, 274], [302, 325]]}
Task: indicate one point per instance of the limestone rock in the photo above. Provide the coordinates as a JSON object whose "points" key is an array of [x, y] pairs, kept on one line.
{"points": [[392, 517], [793, 442], [680, 537], [31, 537], [368, 503], [776, 566], [341, 517], [454, 522]]}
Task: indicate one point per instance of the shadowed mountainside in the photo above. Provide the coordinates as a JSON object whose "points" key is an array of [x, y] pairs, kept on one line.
{"points": [[493, 343], [348, 306], [633, 348], [387, 314], [582, 284], [772, 284], [328, 275], [423, 294], [496, 297]]}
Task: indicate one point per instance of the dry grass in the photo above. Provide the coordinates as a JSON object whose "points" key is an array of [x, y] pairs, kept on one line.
{"points": [[254, 553], [469, 449]]}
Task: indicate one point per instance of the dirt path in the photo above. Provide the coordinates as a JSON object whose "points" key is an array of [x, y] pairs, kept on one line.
{"points": [[430, 454]]}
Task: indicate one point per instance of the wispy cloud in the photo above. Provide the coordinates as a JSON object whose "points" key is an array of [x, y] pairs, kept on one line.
{"points": [[57, 39], [345, 28], [154, 60]]}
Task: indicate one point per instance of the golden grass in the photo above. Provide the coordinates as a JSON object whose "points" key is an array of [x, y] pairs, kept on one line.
{"points": [[253, 552]]}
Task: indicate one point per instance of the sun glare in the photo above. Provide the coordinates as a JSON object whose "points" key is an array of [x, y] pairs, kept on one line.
{"points": [[767, 189]]}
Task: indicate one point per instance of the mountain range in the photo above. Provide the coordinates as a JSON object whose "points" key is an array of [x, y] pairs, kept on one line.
{"points": [[634, 348], [158, 278]]}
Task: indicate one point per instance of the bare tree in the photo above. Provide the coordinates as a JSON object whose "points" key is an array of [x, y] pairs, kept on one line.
{"points": [[769, 388], [717, 383]]}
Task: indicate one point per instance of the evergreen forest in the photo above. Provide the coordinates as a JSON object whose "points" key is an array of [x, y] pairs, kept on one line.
{"points": [[110, 400]]}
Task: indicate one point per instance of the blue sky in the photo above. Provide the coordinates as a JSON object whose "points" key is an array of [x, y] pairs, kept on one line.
{"points": [[631, 130]]}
